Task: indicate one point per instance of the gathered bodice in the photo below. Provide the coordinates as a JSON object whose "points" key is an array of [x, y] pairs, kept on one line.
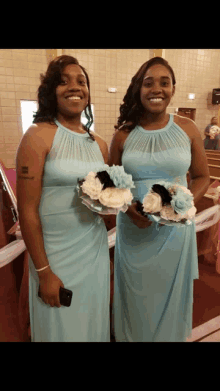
{"points": [[72, 156], [153, 155]]}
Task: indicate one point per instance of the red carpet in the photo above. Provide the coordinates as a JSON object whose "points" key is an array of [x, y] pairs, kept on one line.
{"points": [[206, 304]]}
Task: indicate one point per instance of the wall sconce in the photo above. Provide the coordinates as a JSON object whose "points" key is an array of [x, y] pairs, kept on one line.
{"points": [[191, 96]]}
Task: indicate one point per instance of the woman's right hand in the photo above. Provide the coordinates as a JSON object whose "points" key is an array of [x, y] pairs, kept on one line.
{"points": [[50, 288], [137, 218]]}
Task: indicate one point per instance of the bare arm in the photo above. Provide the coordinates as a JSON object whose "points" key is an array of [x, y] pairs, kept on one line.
{"points": [[116, 149], [103, 147], [199, 171], [30, 161], [29, 167]]}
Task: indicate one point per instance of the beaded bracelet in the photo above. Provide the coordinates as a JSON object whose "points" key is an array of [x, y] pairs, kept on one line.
{"points": [[39, 270]]}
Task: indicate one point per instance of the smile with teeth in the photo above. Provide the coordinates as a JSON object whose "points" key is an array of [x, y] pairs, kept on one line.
{"points": [[156, 100], [74, 97]]}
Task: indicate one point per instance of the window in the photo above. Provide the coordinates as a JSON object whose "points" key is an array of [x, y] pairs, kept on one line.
{"points": [[29, 107], [84, 120]]}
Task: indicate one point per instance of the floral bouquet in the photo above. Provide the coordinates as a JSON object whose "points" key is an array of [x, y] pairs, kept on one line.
{"points": [[214, 130], [169, 204], [107, 191]]}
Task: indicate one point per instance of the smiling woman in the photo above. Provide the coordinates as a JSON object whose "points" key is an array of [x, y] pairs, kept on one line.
{"points": [[72, 95], [156, 92], [58, 78], [67, 243], [149, 81], [155, 266], [132, 110]]}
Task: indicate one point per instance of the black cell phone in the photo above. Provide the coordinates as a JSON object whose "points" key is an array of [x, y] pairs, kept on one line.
{"points": [[65, 296]]}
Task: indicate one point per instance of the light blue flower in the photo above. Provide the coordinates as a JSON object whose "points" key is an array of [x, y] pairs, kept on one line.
{"points": [[119, 177], [181, 202]]}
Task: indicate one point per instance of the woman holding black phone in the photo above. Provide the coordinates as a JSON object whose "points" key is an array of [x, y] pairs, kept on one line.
{"points": [[69, 284]]}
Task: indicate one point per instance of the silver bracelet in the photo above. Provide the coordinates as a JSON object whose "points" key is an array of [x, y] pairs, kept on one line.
{"points": [[39, 270]]}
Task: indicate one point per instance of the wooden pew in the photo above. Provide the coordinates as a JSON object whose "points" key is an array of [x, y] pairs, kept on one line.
{"points": [[213, 179], [207, 240], [214, 170], [213, 161], [212, 152]]}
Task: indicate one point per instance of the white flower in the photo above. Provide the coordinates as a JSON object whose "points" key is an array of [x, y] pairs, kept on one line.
{"points": [[128, 196], [92, 186], [190, 214], [168, 213], [115, 198], [152, 203]]}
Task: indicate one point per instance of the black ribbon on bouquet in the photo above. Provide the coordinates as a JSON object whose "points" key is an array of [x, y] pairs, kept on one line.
{"points": [[162, 191], [105, 179]]}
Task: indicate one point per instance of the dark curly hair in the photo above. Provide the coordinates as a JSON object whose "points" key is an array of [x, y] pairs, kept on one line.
{"points": [[132, 109], [47, 101]]}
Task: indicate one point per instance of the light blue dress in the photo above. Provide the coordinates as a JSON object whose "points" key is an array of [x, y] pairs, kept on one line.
{"points": [[76, 244], [154, 267]]}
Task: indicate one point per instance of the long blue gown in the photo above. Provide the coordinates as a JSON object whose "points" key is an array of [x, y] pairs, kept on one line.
{"points": [[76, 244], [154, 267]]}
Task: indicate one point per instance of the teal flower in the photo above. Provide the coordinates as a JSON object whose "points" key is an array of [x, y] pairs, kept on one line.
{"points": [[181, 202], [119, 177]]}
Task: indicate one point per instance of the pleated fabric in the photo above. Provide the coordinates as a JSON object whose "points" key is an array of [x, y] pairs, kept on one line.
{"points": [[76, 244], [154, 267]]}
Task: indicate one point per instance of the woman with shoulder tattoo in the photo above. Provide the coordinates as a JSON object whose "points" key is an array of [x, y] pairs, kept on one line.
{"points": [[67, 243]]}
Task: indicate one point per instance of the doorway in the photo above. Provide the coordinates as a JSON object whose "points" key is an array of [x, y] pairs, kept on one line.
{"points": [[187, 112]]}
